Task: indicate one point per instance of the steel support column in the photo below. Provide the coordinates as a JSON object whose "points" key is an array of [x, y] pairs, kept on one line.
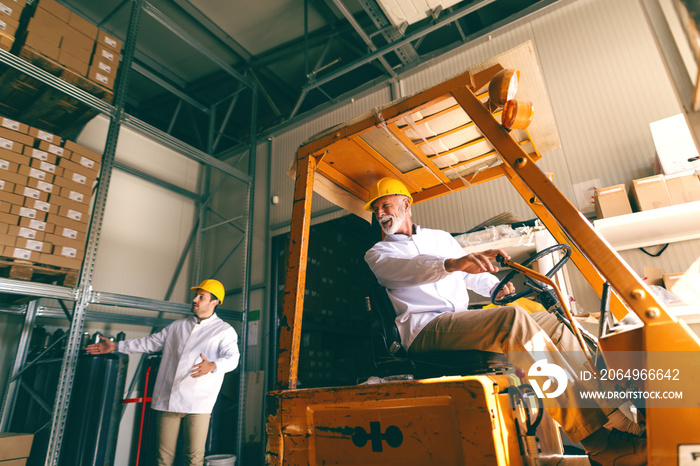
{"points": [[70, 358]]}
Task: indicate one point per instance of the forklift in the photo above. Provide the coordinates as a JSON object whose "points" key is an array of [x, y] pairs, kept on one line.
{"points": [[487, 417]]}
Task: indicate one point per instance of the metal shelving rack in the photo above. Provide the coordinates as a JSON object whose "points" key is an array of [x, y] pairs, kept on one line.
{"points": [[83, 295]]}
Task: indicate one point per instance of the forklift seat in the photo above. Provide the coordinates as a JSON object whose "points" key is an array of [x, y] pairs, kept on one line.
{"points": [[390, 358]]}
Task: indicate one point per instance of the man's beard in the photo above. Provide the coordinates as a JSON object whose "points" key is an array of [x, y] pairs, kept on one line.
{"points": [[396, 222]]}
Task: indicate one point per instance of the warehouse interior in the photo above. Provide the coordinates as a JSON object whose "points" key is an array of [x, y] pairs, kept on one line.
{"points": [[190, 134]]}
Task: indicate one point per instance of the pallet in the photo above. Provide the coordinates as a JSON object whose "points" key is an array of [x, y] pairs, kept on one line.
{"points": [[19, 269], [71, 77], [37, 104]]}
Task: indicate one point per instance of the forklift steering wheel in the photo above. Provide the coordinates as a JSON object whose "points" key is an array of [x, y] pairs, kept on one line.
{"points": [[532, 287]]}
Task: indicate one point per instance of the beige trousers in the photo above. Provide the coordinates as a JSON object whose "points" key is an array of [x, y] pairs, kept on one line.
{"points": [[525, 338], [195, 429]]}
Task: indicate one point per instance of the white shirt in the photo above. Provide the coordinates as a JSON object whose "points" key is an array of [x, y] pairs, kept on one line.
{"points": [[412, 269], [182, 342]]}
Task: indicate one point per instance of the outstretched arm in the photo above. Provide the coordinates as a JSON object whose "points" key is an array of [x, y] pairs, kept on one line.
{"points": [[103, 347], [478, 262]]}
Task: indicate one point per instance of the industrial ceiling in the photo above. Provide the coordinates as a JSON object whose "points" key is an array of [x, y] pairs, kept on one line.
{"points": [[196, 61]]}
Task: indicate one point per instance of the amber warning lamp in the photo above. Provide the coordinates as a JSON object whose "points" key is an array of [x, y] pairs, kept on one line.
{"points": [[502, 90], [503, 87], [517, 115]]}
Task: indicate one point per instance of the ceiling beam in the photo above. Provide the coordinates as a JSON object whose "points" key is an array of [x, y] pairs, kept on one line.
{"points": [[361, 32], [472, 7]]}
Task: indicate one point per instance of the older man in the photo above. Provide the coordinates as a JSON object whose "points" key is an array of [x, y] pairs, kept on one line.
{"points": [[197, 352], [427, 275]]}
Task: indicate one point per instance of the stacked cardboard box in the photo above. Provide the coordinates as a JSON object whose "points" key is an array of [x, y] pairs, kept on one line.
{"points": [[10, 11], [15, 448], [45, 194], [77, 44], [612, 201]]}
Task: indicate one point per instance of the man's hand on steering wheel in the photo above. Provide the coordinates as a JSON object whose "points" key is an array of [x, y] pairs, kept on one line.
{"points": [[507, 290], [477, 262], [499, 298]]}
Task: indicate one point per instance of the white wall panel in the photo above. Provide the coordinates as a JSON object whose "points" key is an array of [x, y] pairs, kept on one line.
{"points": [[145, 226]]}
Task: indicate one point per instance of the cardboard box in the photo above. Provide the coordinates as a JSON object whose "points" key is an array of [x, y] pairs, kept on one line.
{"points": [[18, 3], [11, 9], [28, 212], [86, 162], [6, 240], [10, 156], [35, 225], [9, 219], [60, 221], [34, 245], [5, 207], [60, 240], [44, 136], [4, 228], [109, 41], [683, 187], [100, 77], [53, 149], [73, 214], [71, 185], [82, 25], [9, 144], [30, 192], [84, 151], [60, 201], [106, 55], [44, 206], [40, 185], [72, 62], [14, 125], [70, 168], [40, 154], [43, 166], [11, 197], [24, 232], [14, 178], [105, 68], [6, 41], [77, 44], [69, 233], [19, 253], [45, 26], [15, 462], [7, 166], [8, 24], [670, 279], [6, 186], [25, 139], [32, 172], [653, 276], [55, 9], [44, 47], [75, 195], [650, 193], [58, 260]]}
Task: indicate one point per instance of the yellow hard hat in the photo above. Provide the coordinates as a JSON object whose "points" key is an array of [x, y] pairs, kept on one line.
{"points": [[386, 187], [214, 287]]}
